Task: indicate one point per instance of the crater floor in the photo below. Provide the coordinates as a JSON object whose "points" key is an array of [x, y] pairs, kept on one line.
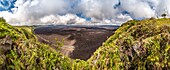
{"points": [[79, 41]]}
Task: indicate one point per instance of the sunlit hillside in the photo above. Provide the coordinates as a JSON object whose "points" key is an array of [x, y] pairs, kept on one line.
{"points": [[136, 44]]}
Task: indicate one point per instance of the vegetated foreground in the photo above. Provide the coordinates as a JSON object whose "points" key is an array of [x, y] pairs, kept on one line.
{"points": [[136, 44]]}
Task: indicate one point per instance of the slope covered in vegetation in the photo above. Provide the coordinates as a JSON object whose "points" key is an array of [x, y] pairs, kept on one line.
{"points": [[136, 44], [141, 44], [19, 49]]}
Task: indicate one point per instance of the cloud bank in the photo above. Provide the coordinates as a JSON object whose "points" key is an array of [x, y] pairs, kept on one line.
{"points": [[25, 12]]}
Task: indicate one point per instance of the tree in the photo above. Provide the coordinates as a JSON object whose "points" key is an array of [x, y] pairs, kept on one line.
{"points": [[2, 19], [164, 15]]}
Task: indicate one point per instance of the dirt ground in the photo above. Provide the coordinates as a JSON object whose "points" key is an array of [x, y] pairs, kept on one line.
{"points": [[79, 41]]}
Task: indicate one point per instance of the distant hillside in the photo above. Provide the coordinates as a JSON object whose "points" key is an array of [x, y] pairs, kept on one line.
{"points": [[136, 44]]}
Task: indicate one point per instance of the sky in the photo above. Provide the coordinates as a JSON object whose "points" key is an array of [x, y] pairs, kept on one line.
{"points": [[32, 12]]}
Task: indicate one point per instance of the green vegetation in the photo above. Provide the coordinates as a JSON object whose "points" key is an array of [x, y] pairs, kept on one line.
{"points": [[19, 49], [136, 44]]}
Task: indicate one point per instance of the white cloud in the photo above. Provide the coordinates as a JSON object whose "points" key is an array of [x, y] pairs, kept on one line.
{"points": [[66, 19], [64, 11], [137, 8], [163, 7], [98, 9]]}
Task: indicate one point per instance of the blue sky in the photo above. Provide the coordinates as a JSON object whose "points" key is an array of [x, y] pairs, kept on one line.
{"points": [[7, 5]]}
